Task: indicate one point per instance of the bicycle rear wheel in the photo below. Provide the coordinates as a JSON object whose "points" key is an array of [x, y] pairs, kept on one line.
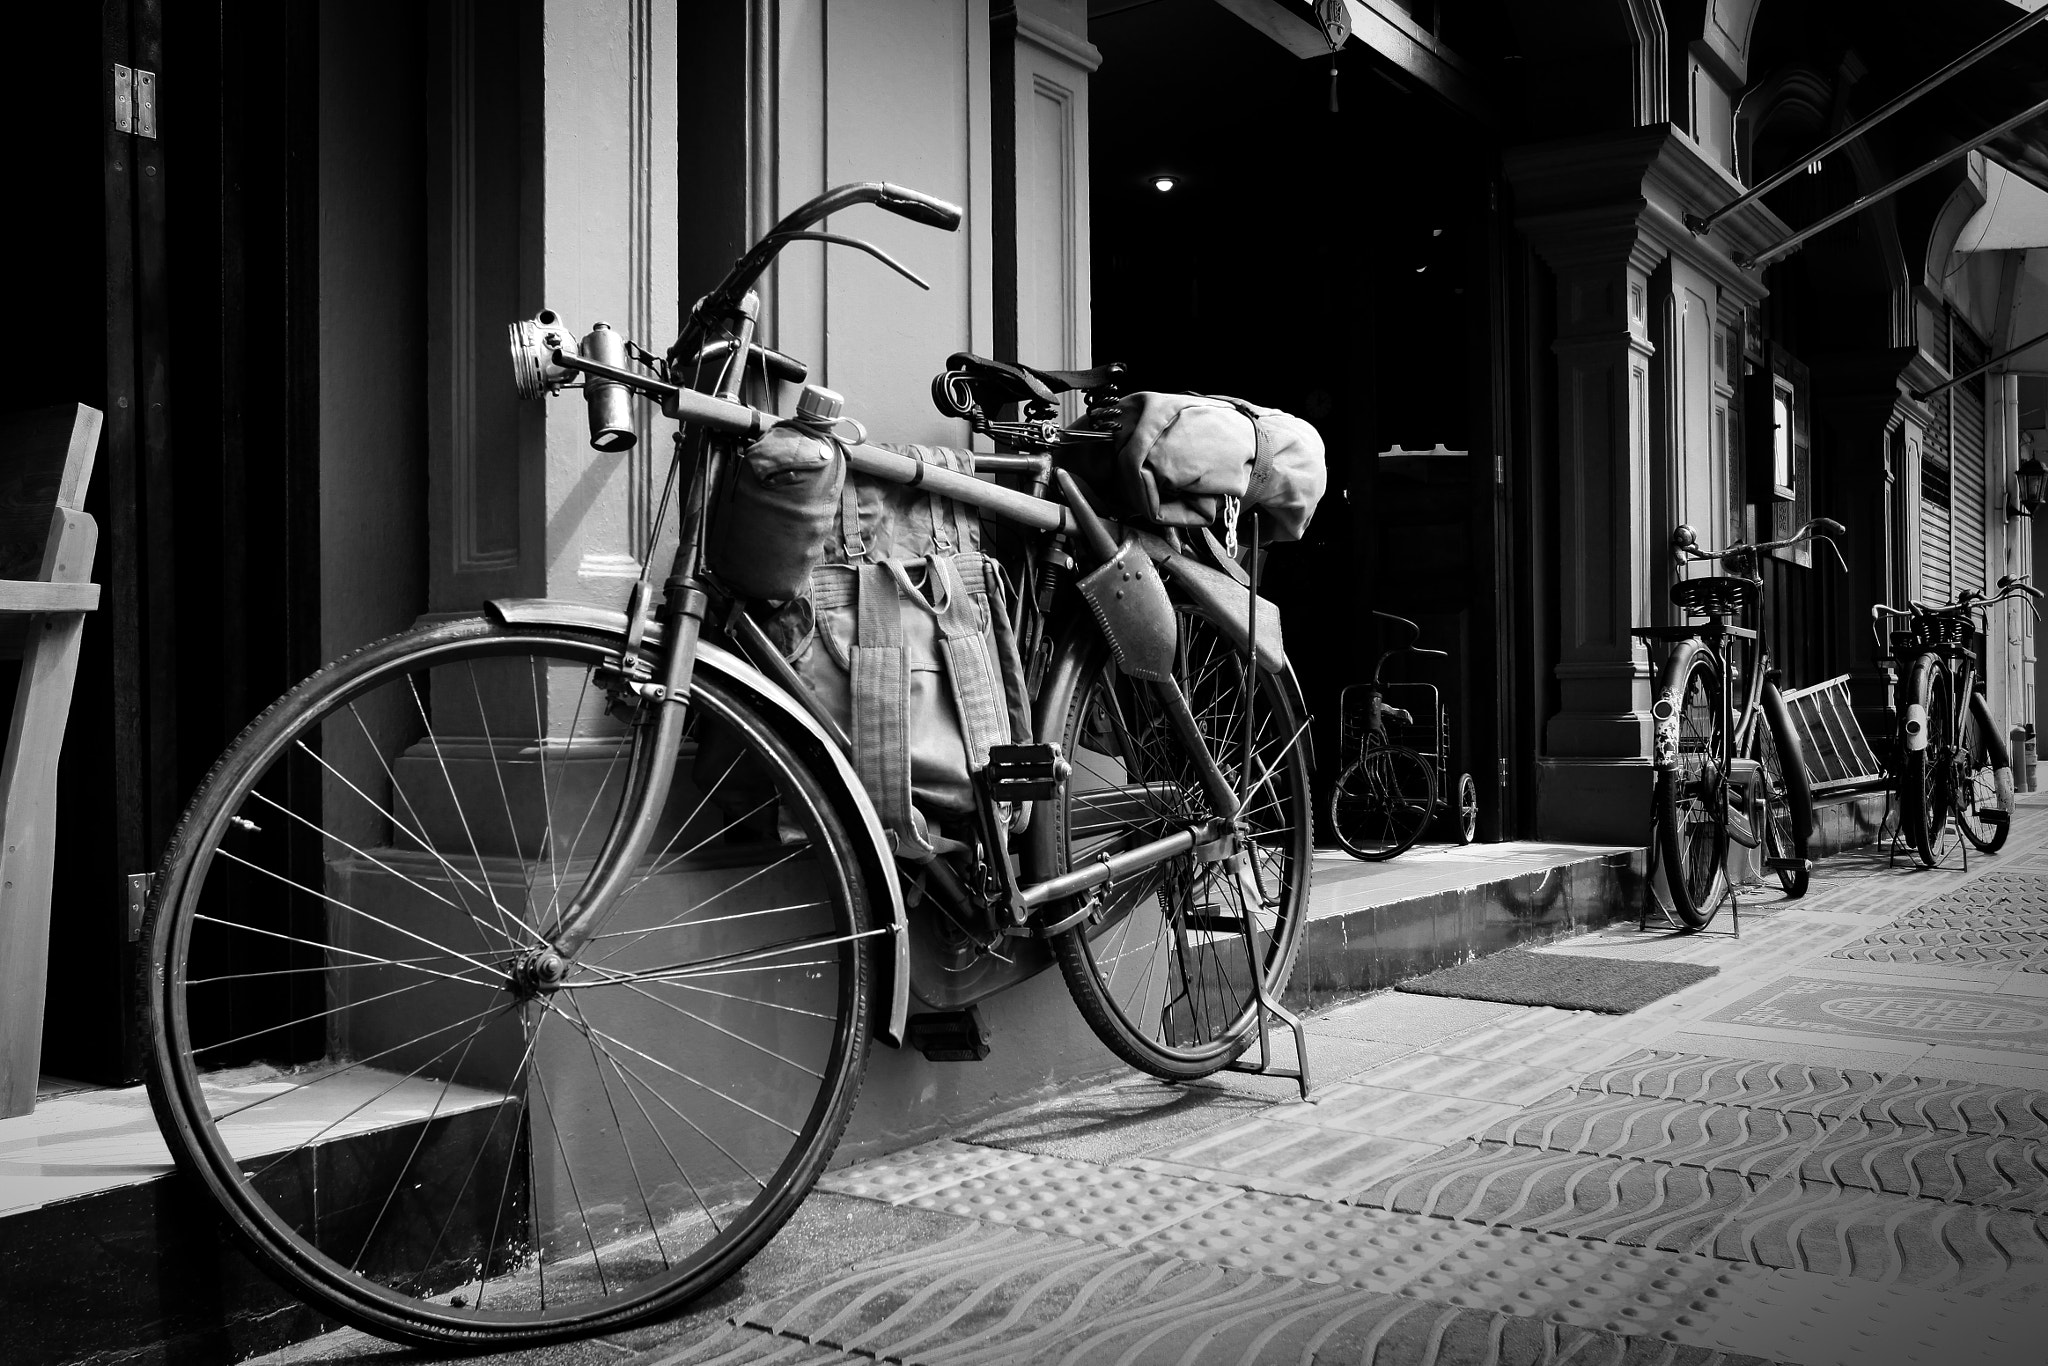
{"points": [[1692, 795], [1382, 803], [1776, 748], [361, 1050], [1926, 776], [1168, 970], [1983, 794]]}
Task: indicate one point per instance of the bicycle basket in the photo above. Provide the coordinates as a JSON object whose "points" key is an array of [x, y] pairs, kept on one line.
{"points": [[1720, 595], [1943, 631]]}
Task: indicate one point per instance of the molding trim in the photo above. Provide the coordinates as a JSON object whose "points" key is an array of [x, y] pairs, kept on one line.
{"points": [[1043, 33]]}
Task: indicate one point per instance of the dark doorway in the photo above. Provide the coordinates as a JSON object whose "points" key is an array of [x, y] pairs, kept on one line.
{"points": [[1342, 266], [192, 296]]}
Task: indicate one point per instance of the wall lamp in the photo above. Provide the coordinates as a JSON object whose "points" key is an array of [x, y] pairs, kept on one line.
{"points": [[2030, 482], [1165, 184]]}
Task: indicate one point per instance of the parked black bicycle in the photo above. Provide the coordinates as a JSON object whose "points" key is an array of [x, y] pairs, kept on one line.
{"points": [[1720, 775], [1949, 755], [1389, 792]]}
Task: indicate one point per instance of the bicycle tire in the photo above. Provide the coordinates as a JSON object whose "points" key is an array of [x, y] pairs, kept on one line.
{"points": [[1382, 802], [1924, 772], [1984, 779], [1465, 813], [335, 841], [1221, 929], [1691, 796], [1790, 794]]}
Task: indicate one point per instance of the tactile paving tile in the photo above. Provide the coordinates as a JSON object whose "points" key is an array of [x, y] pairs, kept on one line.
{"points": [[1996, 917], [1293, 1159], [1411, 1115], [1834, 1231], [919, 1171], [1935, 946], [1075, 1198], [1567, 1040], [743, 1345], [2018, 890], [1544, 1275], [1789, 1086], [1933, 1164], [1755, 1142], [1467, 1078], [1823, 1321], [1006, 1297], [1638, 1204], [1961, 1106]]}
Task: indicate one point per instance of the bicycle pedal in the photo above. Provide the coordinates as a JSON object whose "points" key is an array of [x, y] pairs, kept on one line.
{"points": [[1997, 819], [1025, 773], [1789, 865], [948, 1035]]}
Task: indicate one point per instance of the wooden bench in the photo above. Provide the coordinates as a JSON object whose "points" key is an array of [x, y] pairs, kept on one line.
{"points": [[46, 552]]}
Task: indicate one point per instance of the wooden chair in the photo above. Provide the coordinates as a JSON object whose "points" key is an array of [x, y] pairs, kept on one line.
{"points": [[46, 588]]}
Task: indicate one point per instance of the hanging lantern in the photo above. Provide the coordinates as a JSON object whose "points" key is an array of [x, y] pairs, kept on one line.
{"points": [[2032, 478], [1336, 24]]}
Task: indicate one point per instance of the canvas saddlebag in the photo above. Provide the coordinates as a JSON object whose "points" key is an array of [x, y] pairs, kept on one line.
{"points": [[774, 513], [1179, 458], [904, 634]]}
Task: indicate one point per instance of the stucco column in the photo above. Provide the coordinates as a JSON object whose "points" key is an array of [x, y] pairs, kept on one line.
{"points": [[1594, 779]]}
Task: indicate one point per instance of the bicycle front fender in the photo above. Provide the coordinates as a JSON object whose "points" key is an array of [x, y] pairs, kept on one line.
{"points": [[849, 798]]}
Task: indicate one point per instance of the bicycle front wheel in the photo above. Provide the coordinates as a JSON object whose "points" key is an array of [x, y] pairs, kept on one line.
{"points": [[1168, 968], [1692, 795], [1926, 776], [1382, 803], [361, 1047], [1983, 798]]}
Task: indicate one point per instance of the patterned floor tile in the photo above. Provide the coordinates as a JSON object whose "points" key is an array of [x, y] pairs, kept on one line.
{"points": [[1291, 1159], [914, 1172], [1873, 1236], [1919, 1013], [1790, 1086], [1831, 1321], [1411, 1115], [1637, 1204], [1961, 1106], [1754, 1142], [1933, 1164], [1468, 1078], [1075, 1199]]}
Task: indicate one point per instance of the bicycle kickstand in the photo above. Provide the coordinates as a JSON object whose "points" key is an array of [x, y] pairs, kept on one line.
{"points": [[1267, 1006]]}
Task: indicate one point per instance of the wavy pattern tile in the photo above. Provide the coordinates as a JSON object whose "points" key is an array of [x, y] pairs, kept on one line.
{"points": [[1933, 1164], [1729, 1081], [1754, 1142], [991, 1297]]}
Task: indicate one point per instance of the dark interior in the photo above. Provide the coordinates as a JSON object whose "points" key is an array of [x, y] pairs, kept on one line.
{"points": [[1336, 265]]}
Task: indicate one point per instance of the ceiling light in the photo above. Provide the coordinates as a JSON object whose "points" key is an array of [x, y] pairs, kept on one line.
{"points": [[1165, 184]]}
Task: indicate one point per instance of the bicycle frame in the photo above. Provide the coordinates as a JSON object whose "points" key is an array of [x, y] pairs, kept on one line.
{"points": [[712, 426]]}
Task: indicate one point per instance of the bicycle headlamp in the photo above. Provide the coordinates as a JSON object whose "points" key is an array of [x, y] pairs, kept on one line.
{"points": [[534, 343]]}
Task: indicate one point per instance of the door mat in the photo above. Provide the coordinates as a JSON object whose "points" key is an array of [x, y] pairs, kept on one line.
{"points": [[1614, 986]]}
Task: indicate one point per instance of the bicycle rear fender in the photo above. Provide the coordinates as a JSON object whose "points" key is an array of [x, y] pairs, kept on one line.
{"points": [[849, 797]]}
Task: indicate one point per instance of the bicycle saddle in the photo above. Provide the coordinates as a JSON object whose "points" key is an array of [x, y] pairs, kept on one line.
{"points": [[995, 382]]}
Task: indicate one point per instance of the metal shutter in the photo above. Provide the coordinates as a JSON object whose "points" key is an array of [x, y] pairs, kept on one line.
{"points": [[1936, 579], [1966, 458]]}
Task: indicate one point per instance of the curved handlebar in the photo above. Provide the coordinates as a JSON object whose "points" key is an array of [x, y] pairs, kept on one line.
{"points": [[906, 203], [1686, 548]]}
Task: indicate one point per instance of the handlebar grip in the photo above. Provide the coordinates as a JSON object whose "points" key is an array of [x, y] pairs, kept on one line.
{"points": [[919, 207], [1440, 654], [1401, 714], [1830, 526]]}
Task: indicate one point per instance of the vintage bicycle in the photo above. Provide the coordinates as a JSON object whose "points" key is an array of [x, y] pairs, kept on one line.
{"points": [[1725, 773], [513, 978], [1949, 758], [1389, 792]]}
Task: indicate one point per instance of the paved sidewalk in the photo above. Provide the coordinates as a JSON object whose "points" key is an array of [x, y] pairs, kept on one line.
{"points": [[1832, 1151]]}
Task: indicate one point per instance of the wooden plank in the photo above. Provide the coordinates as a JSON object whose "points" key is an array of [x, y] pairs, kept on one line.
{"points": [[28, 772], [26, 595]]}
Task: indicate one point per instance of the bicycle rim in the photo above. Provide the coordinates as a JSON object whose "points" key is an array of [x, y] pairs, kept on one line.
{"points": [[354, 1045], [1930, 772], [1380, 805], [1692, 799], [1167, 973]]}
